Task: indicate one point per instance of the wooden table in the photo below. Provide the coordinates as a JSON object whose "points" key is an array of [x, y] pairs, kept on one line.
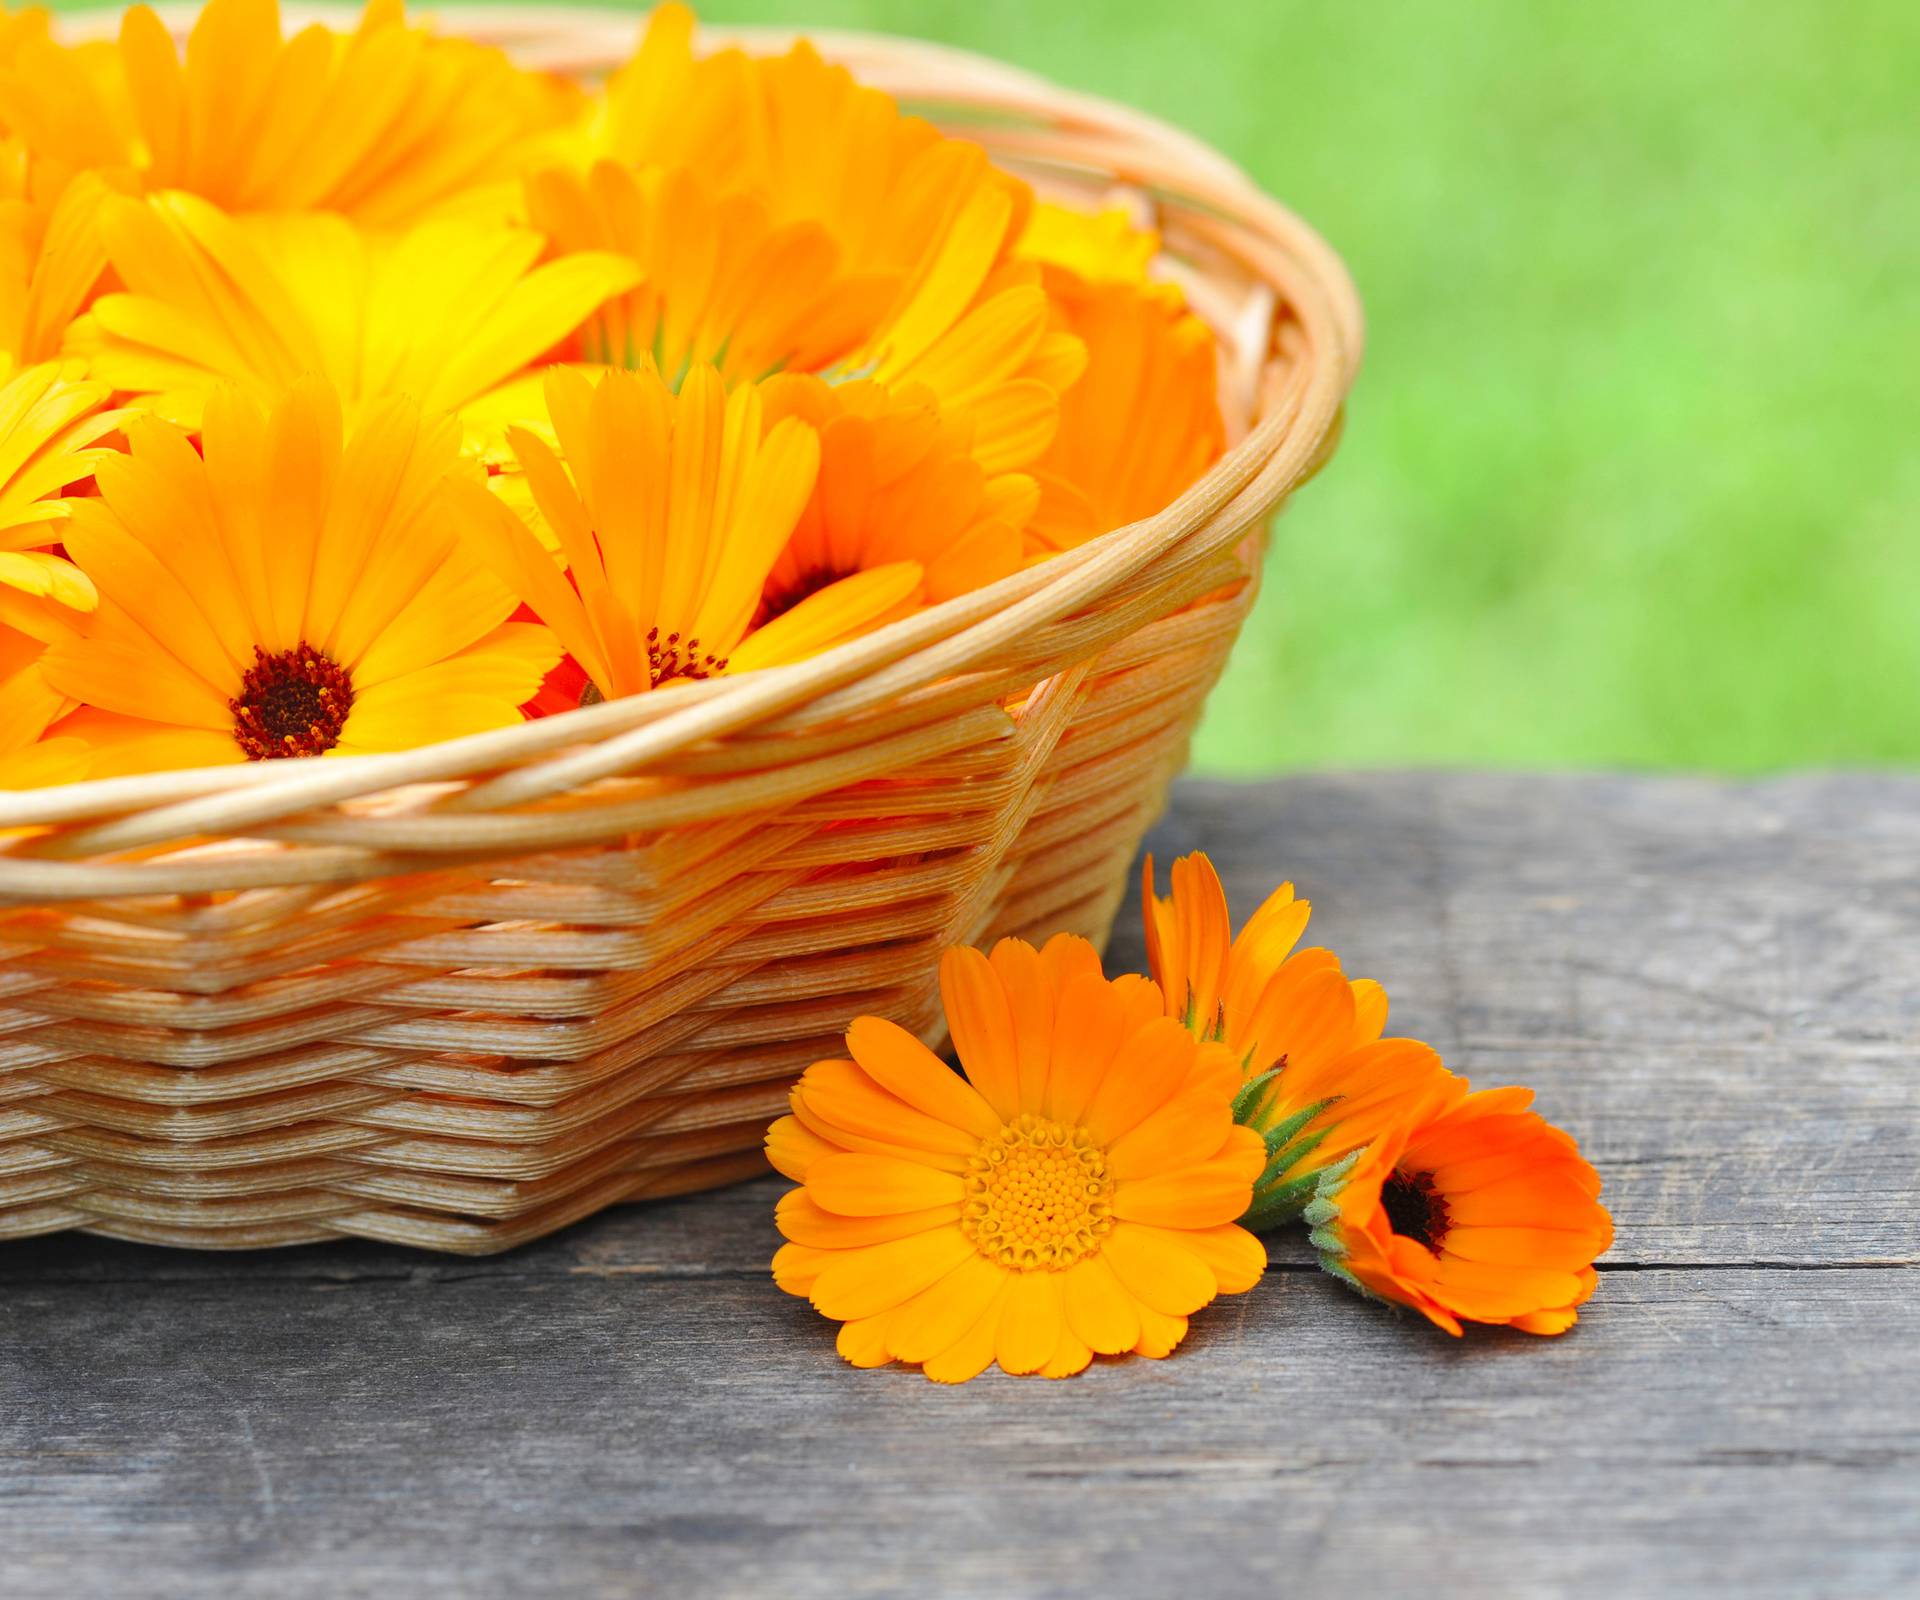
{"points": [[1713, 985]]}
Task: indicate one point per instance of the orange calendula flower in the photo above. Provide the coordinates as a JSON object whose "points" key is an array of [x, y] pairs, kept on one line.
{"points": [[384, 124], [1319, 1081], [445, 313], [1073, 1194], [286, 595], [813, 228], [1143, 423], [668, 511], [52, 422], [1482, 1212], [899, 484], [51, 256], [28, 703], [720, 280]]}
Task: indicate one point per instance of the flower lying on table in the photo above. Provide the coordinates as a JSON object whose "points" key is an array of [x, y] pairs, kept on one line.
{"points": [[1074, 1194], [1090, 1182]]}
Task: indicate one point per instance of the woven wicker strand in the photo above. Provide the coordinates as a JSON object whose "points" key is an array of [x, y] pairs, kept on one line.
{"points": [[461, 996]]}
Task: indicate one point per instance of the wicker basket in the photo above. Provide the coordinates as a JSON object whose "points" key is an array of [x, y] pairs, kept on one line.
{"points": [[463, 996]]}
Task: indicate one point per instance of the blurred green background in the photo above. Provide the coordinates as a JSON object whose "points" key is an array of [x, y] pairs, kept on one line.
{"points": [[1630, 476]]}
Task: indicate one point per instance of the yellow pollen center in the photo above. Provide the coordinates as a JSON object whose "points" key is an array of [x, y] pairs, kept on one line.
{"points": [[1038, 1196]]}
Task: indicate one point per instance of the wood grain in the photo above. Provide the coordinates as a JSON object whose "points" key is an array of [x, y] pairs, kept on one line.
{"points": [[1712, 985]]}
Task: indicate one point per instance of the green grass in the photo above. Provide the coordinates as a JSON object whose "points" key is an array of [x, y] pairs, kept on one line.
{"points": [[1631, 475]]}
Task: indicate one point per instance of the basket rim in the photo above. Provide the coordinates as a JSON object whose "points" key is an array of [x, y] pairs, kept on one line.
{"points": [[1313, 345]]}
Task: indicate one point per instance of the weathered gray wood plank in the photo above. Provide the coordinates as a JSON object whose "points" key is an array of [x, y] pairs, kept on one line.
{"points": [[1710, 1431], [1713, 985]]}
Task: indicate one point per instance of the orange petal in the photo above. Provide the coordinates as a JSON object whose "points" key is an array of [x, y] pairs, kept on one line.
{"points": [[792, 1149], [854, 1184], [1089, 1024], [982, 1027], [971, 1354], [802, 1219], [1151, 1064], [1159, 1271], [1160, 1334], [1030, 1000], [1031, 1322], [1100, 1311], [901, 1064], [864, 1343], [842, 1094], [939, 1316], [860, 1283], [1238, 1259]]}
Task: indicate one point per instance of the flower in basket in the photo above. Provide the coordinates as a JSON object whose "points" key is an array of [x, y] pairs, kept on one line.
{"points": [[1073, 1194], [280, 592], [450, 312], [53, 424], [385, 125], [943, 379], [669, 511]]}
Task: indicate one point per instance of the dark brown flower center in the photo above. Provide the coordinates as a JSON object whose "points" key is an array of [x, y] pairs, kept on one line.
{"points": [[782, 598], [291, 703], [674, 657], [1415, 1209]]}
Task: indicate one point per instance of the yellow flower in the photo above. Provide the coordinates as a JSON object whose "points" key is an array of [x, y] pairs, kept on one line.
{"points": [[1319, 1080], [785, 217], [28, 703], [668, 108], [898, 483], [1482, 1211], [719, 281], [384, 124], [286, 595], [50, 251], [51, 425], [1072, 1195], [1144, 421], [1095, 246], [447, 313], [668, 513]]}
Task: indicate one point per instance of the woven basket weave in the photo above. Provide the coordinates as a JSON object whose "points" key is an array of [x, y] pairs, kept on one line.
{"points": [[462, 996]]}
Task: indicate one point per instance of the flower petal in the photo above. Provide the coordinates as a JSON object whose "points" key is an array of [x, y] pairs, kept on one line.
{"points": [[855, 1184], [859, 1283]]}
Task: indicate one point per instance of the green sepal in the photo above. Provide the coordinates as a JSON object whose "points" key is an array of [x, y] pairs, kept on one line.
{"points": [[1278, 1135], [1278, 1204], [1243, 1102]]}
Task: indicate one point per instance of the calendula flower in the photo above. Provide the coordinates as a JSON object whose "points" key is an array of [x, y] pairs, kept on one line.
{"points": [[719, 280], [51, 256], [1482, 1212], [52, 422], [28, 703], [1144, 421], [1319, 1081], [1104, 246], [898, 485], [286, 595], [668, 511], [445, 313], [383, 124], [667, 107], [813, 228], [1072, 1195]]}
